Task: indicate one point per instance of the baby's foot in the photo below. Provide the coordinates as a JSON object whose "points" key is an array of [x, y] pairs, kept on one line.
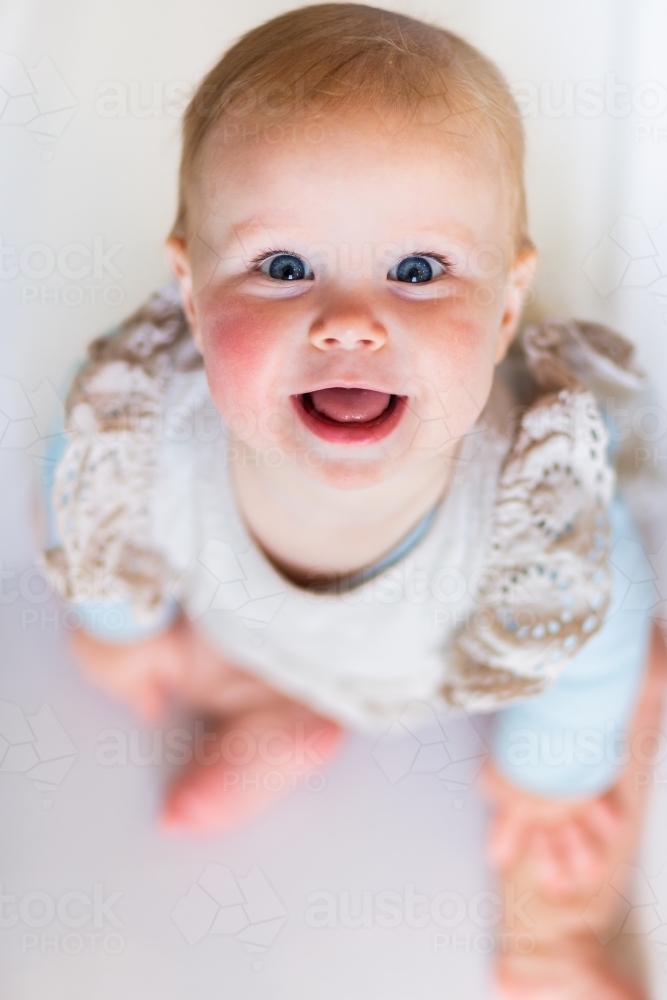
{"points": [[578, 969], [248, 762]]}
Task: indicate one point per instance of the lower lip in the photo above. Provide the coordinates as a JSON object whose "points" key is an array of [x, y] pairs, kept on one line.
{"points": [[352, 432]]}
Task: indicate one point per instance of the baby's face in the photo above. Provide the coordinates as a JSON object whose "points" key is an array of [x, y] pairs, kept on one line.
{"points": [[351, 296]]}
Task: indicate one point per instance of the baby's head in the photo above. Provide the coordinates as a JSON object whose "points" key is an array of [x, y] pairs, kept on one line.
{"points": [[351, 240]]}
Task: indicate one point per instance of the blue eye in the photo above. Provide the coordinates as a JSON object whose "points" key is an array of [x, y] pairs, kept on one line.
{"points": [[286, 267], [416, 269]]}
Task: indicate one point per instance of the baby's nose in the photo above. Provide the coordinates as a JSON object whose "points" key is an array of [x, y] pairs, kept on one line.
{"points": [[350, 333]]}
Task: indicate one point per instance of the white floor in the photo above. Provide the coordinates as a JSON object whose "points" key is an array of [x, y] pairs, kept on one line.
{"points": [[98, 906]]}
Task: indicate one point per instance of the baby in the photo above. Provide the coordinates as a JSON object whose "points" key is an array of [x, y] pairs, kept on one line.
{"points": [[304, 491]]}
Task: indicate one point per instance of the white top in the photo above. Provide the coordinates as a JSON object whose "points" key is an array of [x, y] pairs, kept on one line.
{"points": [[358, 655], [505, 586]]}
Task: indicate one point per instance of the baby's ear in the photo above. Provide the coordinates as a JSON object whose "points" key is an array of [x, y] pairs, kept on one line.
{"points": [[176, 252], [519, 279]]}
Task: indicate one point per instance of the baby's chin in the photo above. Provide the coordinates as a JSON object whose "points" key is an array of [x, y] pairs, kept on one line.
{"points": [[352, 473], [348, 469]]}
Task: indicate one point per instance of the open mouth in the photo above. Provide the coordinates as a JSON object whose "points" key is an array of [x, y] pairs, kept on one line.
{"points": [[355, 416]]}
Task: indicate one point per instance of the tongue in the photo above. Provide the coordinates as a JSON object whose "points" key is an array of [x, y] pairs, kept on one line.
{"points": [[346, 405]]}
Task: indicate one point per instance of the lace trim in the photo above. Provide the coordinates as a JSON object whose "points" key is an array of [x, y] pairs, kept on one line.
{"points": [[547, 579], [102, 493], [549, 544]]}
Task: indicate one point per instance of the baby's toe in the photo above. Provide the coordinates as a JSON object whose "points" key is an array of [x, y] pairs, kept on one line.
{"points": [[552, 871], [583, 851], [194, 804], [605, 817], [503, 840], [178, 814], [257, 757]]}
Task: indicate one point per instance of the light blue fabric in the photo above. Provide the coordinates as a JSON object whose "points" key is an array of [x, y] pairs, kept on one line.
{"points": [[401, 549], [569, 741], [113, 622], [565, 742]]}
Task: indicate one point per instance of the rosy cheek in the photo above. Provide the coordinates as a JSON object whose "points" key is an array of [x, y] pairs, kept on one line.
{"points": [[236, 355], [463, 348], [462, 364]]}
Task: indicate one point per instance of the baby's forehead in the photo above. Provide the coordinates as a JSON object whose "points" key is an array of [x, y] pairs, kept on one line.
{"points": [[378, 166], [354, 190], [357, 143], [301, 70]]}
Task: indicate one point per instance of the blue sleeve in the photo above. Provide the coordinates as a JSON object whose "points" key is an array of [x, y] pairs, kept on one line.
{"points": [[114, 622], [570, 741]]}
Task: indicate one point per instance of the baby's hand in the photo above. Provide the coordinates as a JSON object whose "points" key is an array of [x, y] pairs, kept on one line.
{"points": [[568, 842], [209, 683], [571, 844], [142, 673]]}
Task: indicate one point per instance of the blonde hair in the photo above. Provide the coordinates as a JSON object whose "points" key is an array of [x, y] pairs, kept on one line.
{"points": [[316, 59]]}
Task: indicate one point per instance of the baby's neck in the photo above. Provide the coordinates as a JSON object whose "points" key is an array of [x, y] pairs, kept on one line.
{"points": [[314, 532]]}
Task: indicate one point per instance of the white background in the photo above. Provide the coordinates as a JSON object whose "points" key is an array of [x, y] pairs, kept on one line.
{"points": [[115, 176], [598, 205]]}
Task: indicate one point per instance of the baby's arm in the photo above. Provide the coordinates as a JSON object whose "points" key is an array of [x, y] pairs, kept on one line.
{"points": [[176, 662], [556, 759], [285, 739], [563, 743], [142, 673]]}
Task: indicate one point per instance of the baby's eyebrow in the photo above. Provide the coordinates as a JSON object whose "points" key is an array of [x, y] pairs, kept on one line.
{"points": [[238, 238], [281, 228], [448, 230], [254, 226]]}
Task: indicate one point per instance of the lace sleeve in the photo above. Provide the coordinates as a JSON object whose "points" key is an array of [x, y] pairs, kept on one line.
{"points": [[104, 482], [547, 573]]}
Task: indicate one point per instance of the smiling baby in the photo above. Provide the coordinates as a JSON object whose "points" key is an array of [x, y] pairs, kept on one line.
{"points": [[305, 488]]}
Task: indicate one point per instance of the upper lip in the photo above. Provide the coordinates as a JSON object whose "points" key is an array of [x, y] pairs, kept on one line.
{"points": [[343, 383]]}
